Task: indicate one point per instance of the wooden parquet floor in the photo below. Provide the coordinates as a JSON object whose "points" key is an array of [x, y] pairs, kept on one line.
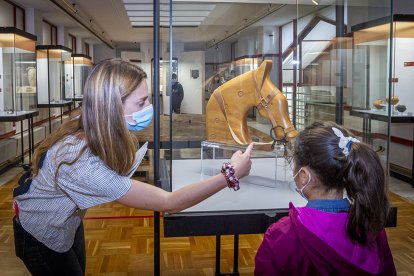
{"points": [[119, 241]]}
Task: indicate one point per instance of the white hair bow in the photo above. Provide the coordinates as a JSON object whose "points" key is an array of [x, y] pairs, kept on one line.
{"points": [[344, 142]]}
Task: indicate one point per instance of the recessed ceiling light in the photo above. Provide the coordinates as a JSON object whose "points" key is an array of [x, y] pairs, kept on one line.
{"points": [[316, 2], [141, 13]]}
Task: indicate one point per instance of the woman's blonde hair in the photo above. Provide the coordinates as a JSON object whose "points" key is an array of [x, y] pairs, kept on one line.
{"points": [[101, 122]]}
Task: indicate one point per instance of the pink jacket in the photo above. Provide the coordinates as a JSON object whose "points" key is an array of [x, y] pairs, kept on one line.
{"points": [[313, 242]]}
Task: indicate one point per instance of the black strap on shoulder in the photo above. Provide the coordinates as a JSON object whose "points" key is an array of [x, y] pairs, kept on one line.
{"points": [[26, 179]]}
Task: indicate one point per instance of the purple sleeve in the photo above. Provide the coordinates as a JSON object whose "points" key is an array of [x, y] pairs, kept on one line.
{"points": [[265, 263]]}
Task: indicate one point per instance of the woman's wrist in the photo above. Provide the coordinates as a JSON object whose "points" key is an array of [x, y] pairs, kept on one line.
{"points": [[228, 171]]}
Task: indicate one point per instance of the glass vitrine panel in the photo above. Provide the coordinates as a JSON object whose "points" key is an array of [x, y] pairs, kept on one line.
{"points": [[53, 78], [307, 53], [82, 65], [17, 71]]}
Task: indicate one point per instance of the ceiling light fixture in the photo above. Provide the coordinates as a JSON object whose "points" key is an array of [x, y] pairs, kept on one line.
{"points": [[316, 2], [140, 13]]}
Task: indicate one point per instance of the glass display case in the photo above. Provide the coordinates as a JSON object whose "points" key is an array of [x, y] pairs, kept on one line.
{"points": [[82, 66], [17, 71], [304, 52], [54, 80], [378, 101], [311, 55], [372, 47]]}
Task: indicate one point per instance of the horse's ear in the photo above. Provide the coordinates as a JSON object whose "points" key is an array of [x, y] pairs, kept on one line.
{"points": [[263, 71]]}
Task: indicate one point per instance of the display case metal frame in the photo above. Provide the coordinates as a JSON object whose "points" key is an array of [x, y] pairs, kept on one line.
{"points": [[20, 116]]}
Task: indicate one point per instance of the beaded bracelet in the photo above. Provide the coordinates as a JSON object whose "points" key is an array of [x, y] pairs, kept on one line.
{"points": [[228, 171]]}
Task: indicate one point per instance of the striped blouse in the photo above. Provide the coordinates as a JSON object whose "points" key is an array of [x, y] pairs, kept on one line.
{"points": [[51, 213]]}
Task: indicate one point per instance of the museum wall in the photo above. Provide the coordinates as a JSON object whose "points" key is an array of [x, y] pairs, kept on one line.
{"points": [[193, 86]]}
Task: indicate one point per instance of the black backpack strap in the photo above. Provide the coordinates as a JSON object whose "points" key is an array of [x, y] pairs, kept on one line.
{"points": [[26, 179]]}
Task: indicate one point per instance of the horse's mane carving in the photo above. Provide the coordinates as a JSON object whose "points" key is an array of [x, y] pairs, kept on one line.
{"points": [[227, 108]]}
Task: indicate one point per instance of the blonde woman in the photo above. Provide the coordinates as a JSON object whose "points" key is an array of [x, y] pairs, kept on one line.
{"points": [[89, 161]]}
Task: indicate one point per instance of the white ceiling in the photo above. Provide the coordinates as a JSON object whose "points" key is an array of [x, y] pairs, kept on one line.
{"points": [[111, 17]]}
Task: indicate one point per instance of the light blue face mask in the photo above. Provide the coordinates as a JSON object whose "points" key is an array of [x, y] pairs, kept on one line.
{"points": [[142, 118], [300, 191]]}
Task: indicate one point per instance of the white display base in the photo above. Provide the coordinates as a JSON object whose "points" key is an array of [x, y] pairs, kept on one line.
{"points": [[249, 197]]}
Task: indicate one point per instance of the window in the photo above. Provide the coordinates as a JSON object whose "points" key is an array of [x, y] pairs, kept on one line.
{"points": [[87, 49], [12, 15], [72, 43], [49, 33]]}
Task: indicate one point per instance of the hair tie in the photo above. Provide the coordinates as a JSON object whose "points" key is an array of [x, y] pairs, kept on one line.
{"points": [[344, 142]]}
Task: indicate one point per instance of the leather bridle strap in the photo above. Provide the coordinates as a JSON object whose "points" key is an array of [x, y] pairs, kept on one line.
{"points": [[264, 102]]}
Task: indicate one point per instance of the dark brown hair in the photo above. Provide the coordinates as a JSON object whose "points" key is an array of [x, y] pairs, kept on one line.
{"points": [[360, 174]]}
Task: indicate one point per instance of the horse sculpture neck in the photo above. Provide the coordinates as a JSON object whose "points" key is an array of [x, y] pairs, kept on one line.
{"points": [[227, 109]]}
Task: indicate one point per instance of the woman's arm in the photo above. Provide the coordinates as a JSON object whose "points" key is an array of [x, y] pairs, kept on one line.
{"points": [[148, 197], [144, 196]]}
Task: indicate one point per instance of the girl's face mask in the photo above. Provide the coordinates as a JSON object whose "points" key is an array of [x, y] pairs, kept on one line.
{"points": [[142, 118], [300, 191]]}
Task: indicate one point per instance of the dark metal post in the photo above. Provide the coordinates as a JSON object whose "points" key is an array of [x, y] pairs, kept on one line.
{"points": [[280, 60], [390, 87], [340, 32], [170, 89], [156, 89], [295, 68], [29, 131], [21, 137], [218, 255], [48, 92], [236, 255]]}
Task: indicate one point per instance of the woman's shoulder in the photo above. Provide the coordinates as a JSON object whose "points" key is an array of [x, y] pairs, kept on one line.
{"points": [[68, 146], [71, 148]]}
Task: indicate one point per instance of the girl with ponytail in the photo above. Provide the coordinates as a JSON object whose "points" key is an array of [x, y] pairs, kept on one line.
{"points": [[341, 229]]}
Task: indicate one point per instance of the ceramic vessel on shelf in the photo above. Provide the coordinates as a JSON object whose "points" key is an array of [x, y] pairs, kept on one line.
{"points": [[401, 108], [379, 104], [394, 100]]}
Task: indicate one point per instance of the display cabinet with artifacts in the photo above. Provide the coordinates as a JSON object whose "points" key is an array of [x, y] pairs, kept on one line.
{"points": [[17, 71], [226, 131], [378, 101], [18, 81], [82, 66], [54, 78], [195, 153]]}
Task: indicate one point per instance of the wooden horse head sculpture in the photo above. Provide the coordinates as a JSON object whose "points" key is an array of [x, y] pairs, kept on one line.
{"points": [[226, 112]]}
